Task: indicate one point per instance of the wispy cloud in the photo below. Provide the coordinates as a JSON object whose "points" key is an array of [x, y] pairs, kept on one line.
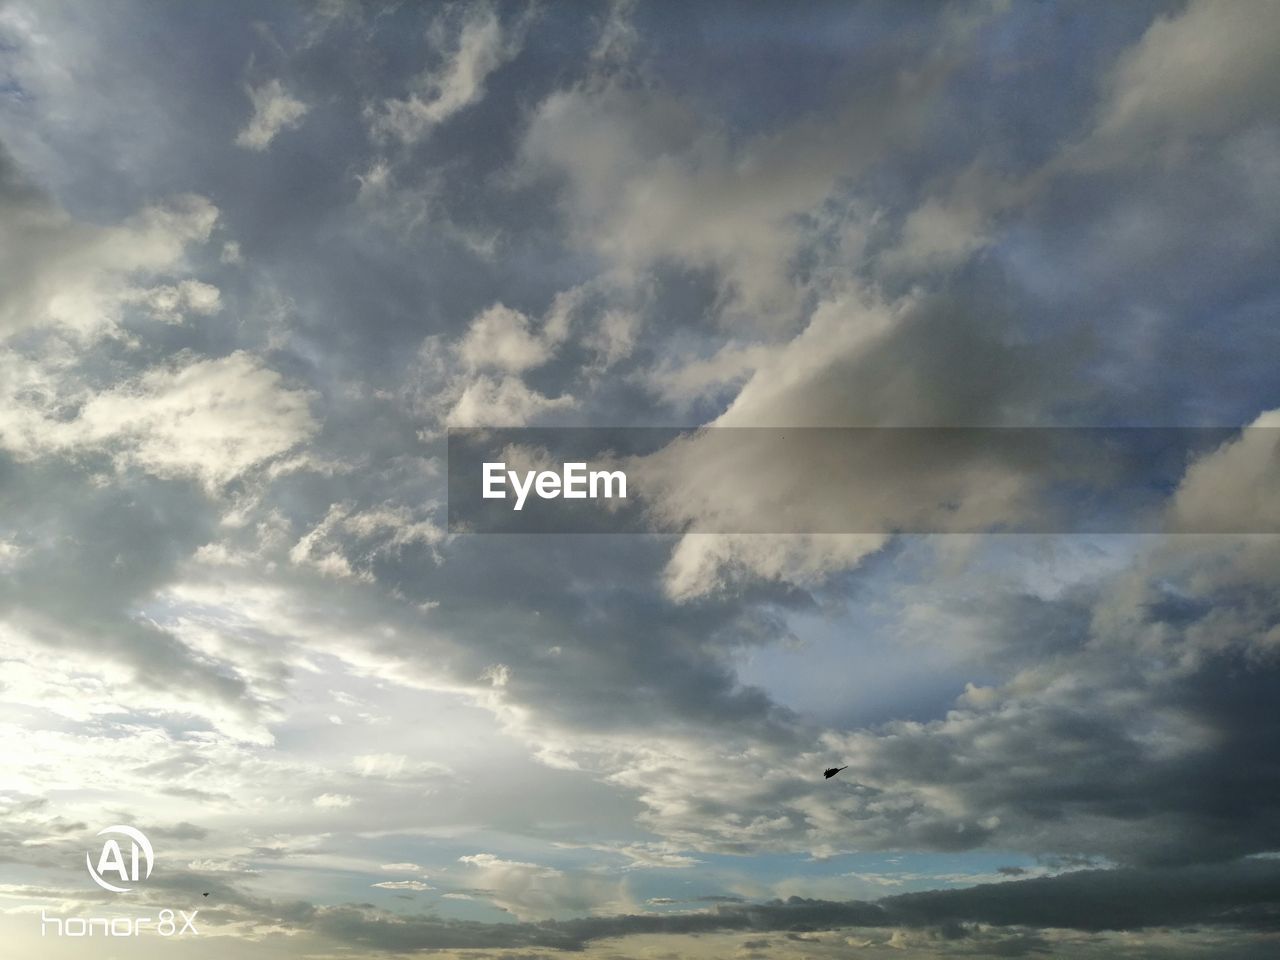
{"points": [[274, 111]]}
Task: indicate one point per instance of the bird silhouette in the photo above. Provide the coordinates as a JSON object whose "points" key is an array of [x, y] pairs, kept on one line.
{"points": [[832, 771], [206, 894]]}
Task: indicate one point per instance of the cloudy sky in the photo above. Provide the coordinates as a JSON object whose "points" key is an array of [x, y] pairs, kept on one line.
{"points": [[256, 259]]}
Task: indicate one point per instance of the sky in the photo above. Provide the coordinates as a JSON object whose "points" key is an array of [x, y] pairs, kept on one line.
{"points": [[258, 259]]}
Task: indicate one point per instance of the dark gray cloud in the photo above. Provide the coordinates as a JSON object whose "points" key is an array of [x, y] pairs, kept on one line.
{"points": [[1242, 896]]}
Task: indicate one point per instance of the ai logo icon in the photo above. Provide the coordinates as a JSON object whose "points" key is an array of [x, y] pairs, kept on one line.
{"points": [[111, 862]]}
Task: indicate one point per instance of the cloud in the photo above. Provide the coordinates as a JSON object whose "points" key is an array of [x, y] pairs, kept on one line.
{"points": [[1233, 488], [501, 338], [1242, 895], [333, 800], [395, 766], [1231, 900], [134, 668], [647, 180], [470, 51], [662, 856], [480, 378], [169, 302], [501, 401], [859, 362], [709, 563], [80, 276], [220, 866], [211, 419], [1202, 71], [530, 891], [274, 111], [941, 232], [415, 885], [347, 541]]}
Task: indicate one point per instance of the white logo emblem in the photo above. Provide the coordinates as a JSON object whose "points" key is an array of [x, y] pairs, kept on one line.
{"points": [[111, 861]]}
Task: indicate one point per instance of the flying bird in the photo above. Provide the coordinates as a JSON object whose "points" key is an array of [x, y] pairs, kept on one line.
{"points": [[832, 771]]}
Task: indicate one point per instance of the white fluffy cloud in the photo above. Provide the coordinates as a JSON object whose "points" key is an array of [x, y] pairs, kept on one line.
{"points": [[80, 276], [1237, 487], [274, 110], [208, 419], [503, 339], [1205, 70], [649, 180], [478, 380]]}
